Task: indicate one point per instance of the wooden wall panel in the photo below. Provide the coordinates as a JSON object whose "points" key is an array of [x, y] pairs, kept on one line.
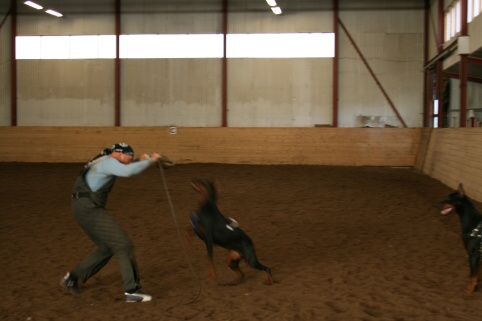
{"points": [[296, 146], [423, 147], [453, 156]]}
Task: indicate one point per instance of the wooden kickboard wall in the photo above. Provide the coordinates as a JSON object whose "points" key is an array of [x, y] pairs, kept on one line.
{"points": [[453, 156], [295, 146]]}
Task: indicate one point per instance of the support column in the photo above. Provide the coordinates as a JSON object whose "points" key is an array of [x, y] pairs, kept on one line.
{"points": [[439, 66], [13, 69], [463, 66], [117, 100], [426, 75], [224, 83], [335, 66]]}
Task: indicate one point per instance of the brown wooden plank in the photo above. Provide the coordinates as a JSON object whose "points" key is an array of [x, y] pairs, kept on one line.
{"points": [[317, 146]]}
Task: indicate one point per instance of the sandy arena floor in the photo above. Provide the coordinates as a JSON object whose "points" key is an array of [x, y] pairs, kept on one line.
{"points": [[343, 243]]}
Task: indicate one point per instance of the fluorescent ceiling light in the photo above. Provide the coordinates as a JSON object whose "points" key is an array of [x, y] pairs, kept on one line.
{"points": [[54, 13], [276, 10], [272, 3], [33, 5]]}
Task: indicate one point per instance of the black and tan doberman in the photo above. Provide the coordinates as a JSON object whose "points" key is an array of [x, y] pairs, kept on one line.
{"points": [[471, 223], [211, 226]]}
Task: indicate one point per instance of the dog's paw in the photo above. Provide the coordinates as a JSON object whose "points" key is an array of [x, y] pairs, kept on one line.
{"points": [[212, 273], [471, 288]]}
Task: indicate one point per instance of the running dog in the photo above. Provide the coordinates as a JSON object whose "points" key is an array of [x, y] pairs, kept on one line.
{"points": [[211, 226], [471, 223]]}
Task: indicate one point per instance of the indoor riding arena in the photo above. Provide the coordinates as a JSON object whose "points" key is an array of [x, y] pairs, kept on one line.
{"points": [[333, 166]]}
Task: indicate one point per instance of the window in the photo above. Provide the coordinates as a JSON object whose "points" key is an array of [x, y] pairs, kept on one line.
{"points": [[473, 9], [453, 19], [291, 45], [171, 46], [288, 45], [65, 47]]}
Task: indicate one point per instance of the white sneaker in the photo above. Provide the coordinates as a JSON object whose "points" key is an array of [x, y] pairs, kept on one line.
{"points": [[70, 283], [138, 296]]}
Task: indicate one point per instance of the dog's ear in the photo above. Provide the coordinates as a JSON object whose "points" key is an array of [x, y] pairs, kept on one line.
{"points": [[461, 190]]}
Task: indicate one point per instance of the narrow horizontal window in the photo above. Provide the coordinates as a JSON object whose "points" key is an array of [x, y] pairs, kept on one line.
{"points": [[171, 46], [65, 47], [90, 47], [289, 45]]}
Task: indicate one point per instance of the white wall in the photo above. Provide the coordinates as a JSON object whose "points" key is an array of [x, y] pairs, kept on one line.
{"points": [[392, 44], [280, 92], [261, 92]]}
